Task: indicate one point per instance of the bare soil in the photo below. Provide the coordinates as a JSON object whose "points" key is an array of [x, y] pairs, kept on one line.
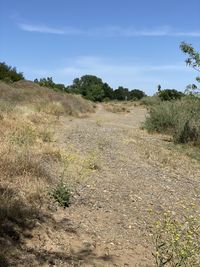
{"points": [[133, 176]]}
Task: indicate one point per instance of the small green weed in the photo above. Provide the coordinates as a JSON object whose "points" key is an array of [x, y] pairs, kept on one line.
{"points": [[61, 194]]}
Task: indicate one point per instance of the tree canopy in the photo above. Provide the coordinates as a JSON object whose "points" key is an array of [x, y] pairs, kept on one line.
{"points": [[93, 88], [9, 74], [89, 86], [193, 60]]}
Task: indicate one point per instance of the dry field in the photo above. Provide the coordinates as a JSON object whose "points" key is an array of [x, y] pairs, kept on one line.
{"points": [[120, 177]]}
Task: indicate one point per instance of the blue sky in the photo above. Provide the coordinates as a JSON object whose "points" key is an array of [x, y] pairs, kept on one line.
{"points": [[132, 43]]}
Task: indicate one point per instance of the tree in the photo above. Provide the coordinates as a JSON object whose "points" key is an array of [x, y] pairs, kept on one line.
{"points": [[108, 91], [9, 74], [193, 60], [136, 94], [90, 87], [121, 93]]}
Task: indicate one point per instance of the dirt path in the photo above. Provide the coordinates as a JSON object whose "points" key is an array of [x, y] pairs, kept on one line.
{"points": [[132, 173]]}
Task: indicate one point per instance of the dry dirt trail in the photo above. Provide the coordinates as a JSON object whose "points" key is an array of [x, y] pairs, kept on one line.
{"points": [[109, 221]]}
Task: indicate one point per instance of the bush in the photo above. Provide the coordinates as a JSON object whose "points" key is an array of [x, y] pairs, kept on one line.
{"points": [[61, 194], [179, 118], [188, 124], [162, 118], [136, 94], [170, 94]]}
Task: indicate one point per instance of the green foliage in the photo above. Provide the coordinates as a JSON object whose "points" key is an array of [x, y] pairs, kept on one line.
{"points": [[94, 89], [89, 86], [179, 118], [170, 94], [48, 82], [177, 241], [61, 194], [188, 133], [193, 60], [9, 74], [136, 94], [121, 93], [162, 118], [108, 92]]}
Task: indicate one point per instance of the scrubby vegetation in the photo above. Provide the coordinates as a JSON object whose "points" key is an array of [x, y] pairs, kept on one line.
{"points": [[178, 115], [9, 74], [176, 239], [150, 100], [169, 94], [180, 118], [162, 95], [48, 82]]}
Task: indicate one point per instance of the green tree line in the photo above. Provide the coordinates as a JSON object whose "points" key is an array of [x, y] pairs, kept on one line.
{"points": [[93, 88]]}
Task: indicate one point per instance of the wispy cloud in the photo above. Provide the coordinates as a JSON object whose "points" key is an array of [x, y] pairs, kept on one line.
{"points": [[157, 32], [110, 31], [40, 29], [92, 64]]}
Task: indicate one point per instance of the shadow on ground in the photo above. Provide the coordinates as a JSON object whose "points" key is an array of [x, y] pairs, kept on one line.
{"points": [[17, 220]]}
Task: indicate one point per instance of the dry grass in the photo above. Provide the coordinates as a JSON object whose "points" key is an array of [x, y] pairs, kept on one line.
{"points": [[31, 161], [44, 99], [117, 107]]}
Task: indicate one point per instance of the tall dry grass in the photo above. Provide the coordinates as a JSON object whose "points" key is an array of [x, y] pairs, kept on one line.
{"points": [[30, 160]]}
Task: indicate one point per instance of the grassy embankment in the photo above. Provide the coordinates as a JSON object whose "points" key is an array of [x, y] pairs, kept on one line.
{"points": [[31, 161]]}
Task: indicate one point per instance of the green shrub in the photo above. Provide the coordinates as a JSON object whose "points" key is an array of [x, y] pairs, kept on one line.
{"points": [[162, 118], [189, 133], [180, 118], [61, 194], [188, 126], [170, 94]]}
